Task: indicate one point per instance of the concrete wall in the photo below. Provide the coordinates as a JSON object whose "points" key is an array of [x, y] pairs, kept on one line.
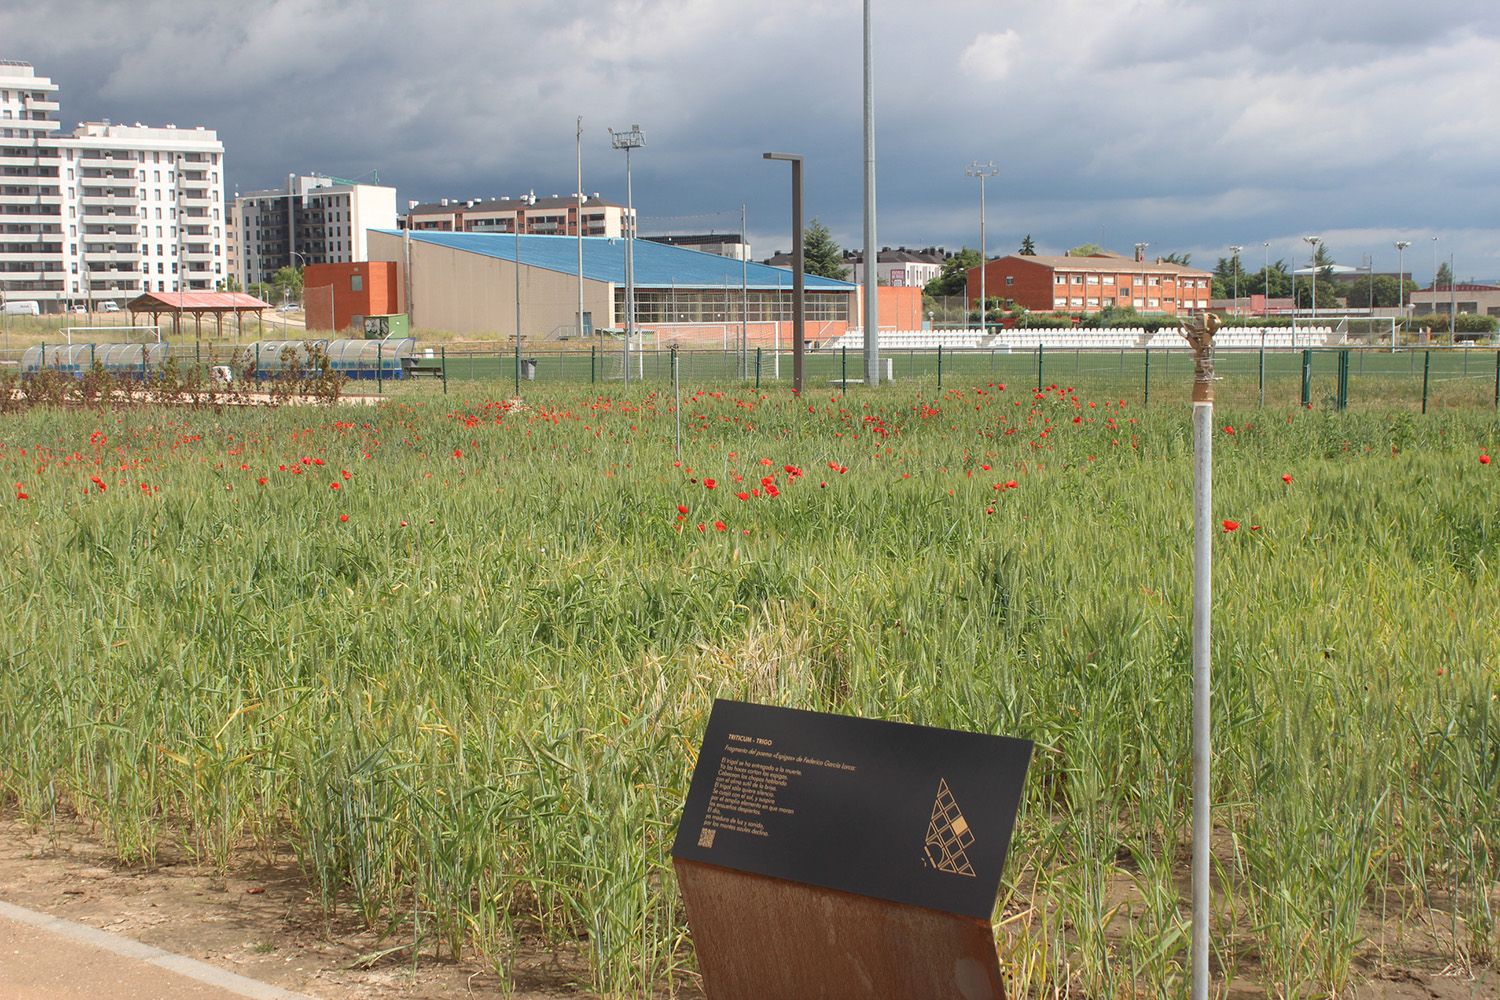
{"points": [[468, 293]]}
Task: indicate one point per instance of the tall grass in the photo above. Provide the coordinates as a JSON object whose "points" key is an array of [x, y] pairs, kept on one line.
{"points": [[486, 717]]}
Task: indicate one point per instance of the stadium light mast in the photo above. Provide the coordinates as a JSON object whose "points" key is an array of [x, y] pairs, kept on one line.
{"points": [[982, 170], [634, 139], [1236, 250], [525, 201], [1401, 246], [871, 321], [1313, 241], [799, 294]]}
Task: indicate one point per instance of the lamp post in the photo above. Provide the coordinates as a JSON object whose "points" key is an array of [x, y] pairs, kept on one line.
{"points": [[982, 170], [1433, 307], [634, 139], [1313, 241], [798, 292], [1236, 251], [525, 201], [1401, 246], [871, 321], [1140, 258], [1265, 287]]}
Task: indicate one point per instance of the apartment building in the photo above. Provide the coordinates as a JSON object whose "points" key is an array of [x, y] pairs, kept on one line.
{"points": [[106, 211], [553, 216], [1089, 284], [898, 267], [314, 219]]}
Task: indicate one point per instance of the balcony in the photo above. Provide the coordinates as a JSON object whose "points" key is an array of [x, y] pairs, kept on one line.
{"points": [[97, 162], [27, 255], [200, 256], [203, 204], [31, 199], [43, 104], [126, 201], [106, 217]]}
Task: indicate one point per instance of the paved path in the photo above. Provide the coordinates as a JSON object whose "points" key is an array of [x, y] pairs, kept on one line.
{"points": [[43, 957]]}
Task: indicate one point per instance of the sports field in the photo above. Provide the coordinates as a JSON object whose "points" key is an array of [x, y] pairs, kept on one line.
{"points": [[457, 651]]}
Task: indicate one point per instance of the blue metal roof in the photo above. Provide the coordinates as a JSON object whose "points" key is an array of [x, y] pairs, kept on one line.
{"points": [[657, 265]]}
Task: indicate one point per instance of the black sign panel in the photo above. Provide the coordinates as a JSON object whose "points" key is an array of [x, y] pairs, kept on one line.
{"points": [[905, 813]]}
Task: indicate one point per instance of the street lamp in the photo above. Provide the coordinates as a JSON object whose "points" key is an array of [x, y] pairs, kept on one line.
{"points": [[1140, 258], [1265, 287], [1236, 251], [798, 292], [1313, 241], [634, 139], [1401, 246], [525, 201], [982, 170]]}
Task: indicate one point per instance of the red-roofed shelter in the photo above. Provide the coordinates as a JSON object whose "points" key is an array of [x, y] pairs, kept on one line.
{"points": [[197, 304]]}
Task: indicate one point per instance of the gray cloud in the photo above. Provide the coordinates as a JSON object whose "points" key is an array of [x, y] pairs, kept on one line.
{"points": [[1190, 125]]}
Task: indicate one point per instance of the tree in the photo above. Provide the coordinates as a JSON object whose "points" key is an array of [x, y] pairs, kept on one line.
{"points": [[287, 283], [1028, 248], [230, 284], [821, 254], [1388, 292], [1444, 275], [1229, 276], [1185, 259], [955, 276], [1086, 250]]}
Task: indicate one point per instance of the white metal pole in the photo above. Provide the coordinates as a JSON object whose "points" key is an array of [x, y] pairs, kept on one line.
{"points": [[872, 251], [744, 297], [1199, 333], [579, 224], [629, 264]]}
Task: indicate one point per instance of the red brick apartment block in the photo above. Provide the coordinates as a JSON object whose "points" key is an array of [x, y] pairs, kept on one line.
{"points": [[1089, 284], [363, 288]]}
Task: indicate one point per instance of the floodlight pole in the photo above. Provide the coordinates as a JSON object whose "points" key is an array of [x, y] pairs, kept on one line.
{"points": [[1236, 250], [1314, 241], [982, 170], [871, 321], [1199, 332], [744, 351], [798, 292], [526, 200], [627, 141], [579, 224], [1401, 246]]}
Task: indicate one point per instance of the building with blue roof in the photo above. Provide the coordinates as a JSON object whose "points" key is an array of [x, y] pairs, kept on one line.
{"points": [[466, 283]]}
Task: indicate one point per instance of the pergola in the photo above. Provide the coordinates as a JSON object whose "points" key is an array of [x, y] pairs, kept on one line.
{"points": [[197, 304]]}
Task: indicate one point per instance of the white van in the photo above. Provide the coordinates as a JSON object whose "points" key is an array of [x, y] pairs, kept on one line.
{"points": [[110, 307], [24, 308]]}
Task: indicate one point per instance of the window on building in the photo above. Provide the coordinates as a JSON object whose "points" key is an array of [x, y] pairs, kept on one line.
{"points": [[1153, 304], [1059, 303], [1139, 303], [1062, 279], [1153, 280], [1077, 303], [1109, 279], [356, 282], [1093, 303], [1010, 279], [1077, 279], [1093, 279]]}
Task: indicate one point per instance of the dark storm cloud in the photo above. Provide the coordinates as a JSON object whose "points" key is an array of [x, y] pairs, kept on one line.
{"points": [[1187, 125]]}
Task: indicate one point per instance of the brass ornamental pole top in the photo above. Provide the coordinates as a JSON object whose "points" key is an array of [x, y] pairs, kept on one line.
{"points": [[1199, 332]]}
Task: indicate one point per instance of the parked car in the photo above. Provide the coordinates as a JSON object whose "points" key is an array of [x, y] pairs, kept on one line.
{"points": [[110, 307], [27, 307], [289, 307], [78, 309]]}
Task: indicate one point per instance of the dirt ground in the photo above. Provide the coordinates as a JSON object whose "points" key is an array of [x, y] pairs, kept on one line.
{"points": [[260, 921], [257, 920]]}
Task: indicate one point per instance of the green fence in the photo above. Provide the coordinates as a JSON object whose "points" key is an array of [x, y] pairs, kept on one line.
{"points": [[1330, 378]]}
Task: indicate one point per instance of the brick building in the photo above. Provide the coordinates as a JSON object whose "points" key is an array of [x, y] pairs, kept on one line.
{"points": [[1089, 284], [338, 296]]}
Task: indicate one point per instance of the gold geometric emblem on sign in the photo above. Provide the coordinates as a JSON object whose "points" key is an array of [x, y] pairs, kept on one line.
{"points": [[948, 835]]}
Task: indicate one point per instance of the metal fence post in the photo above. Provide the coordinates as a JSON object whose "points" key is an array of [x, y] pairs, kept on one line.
{"points": [[1426, 377], [380, 368], [257, 361], [1343, 380], [444, 349], [1497, 380], [1146, 401], [1261, 375], [592, 350], [1038, 367], [757, 367], [677, 399], [844, 370], [1306, 378], [940, 368]]}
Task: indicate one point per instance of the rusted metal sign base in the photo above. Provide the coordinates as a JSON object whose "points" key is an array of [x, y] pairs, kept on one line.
{"points": [[761, 938]]}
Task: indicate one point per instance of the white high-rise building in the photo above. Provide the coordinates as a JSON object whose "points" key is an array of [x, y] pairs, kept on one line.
{"points": [[314, 220], [107, 211]]}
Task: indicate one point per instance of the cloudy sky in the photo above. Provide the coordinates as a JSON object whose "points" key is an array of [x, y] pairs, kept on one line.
{"points": [[1187, 124]]}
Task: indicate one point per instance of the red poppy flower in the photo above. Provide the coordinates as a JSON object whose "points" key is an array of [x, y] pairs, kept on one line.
{"points": [[743, 496], [709, 484], [1286, 477], [719, 525], [333, 486], [22, 495], [682, 508], [1484, 460], [458, 453], [1231, 525], [1228, 429], [343, 517]]}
